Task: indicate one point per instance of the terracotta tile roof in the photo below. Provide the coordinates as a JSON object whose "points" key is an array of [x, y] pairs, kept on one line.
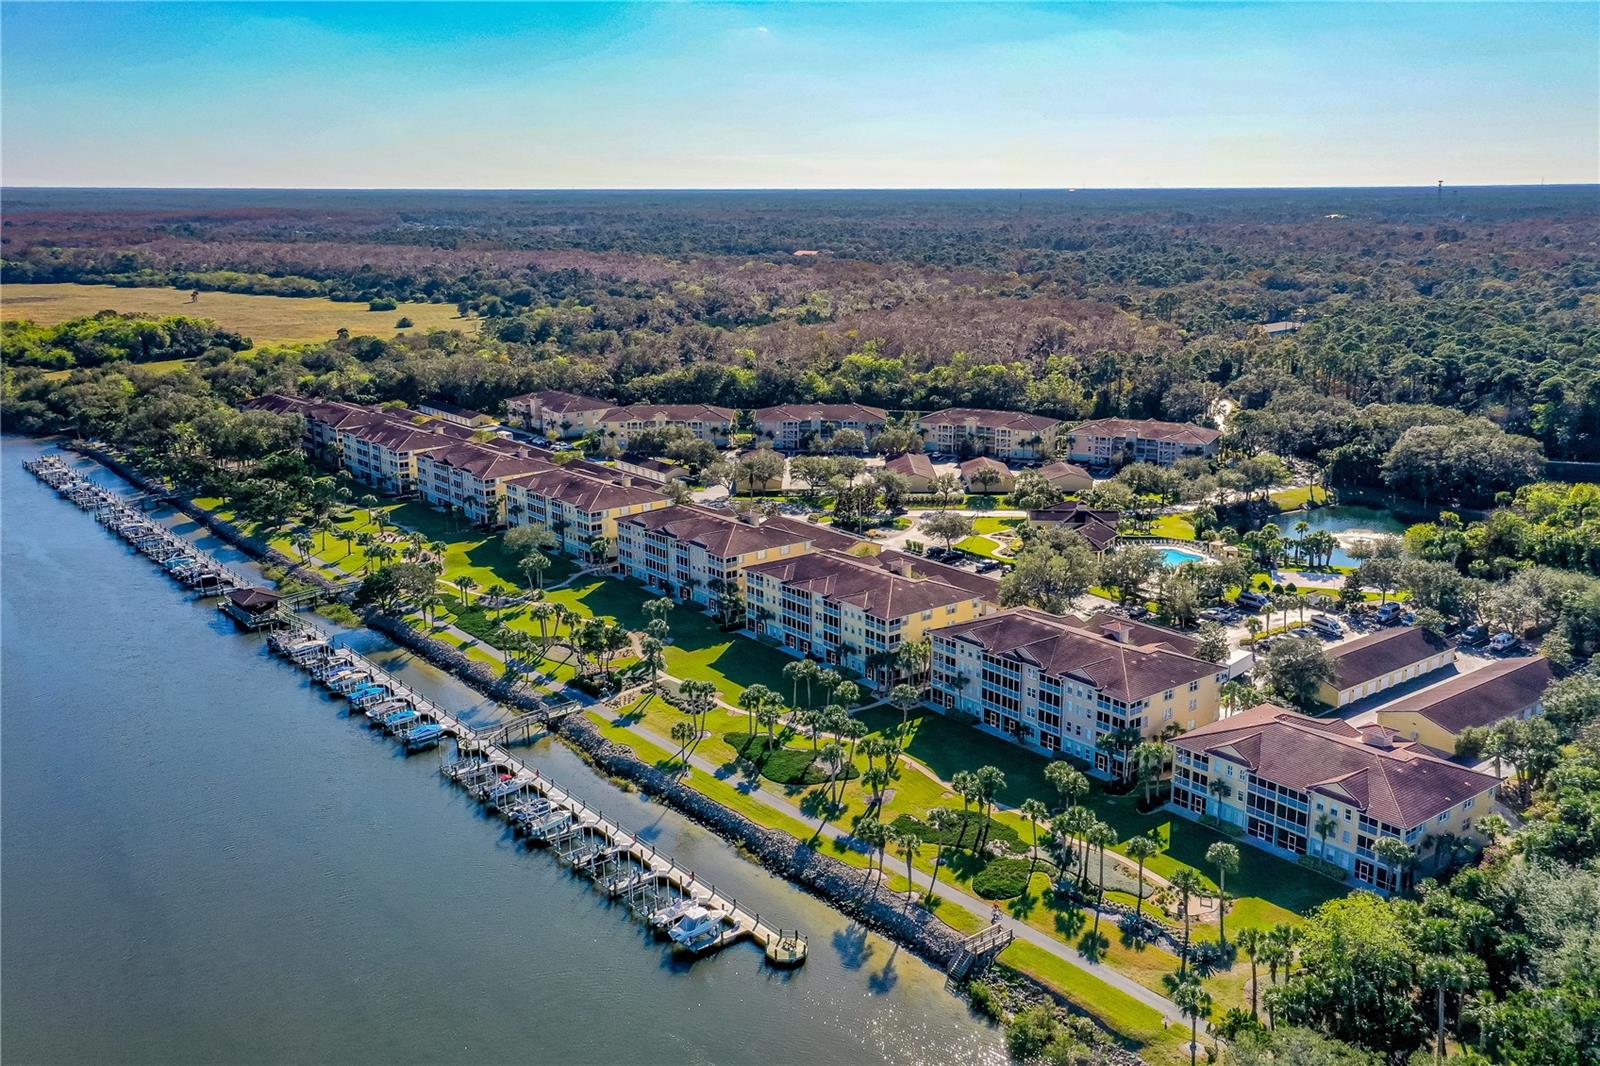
{"points": [[1098, 527], [1138, 632], [485, 463], [983, 462], [561, 402], [991, 419], [1481, 697], [1367, 658], [1149, 429], [1398, 782], [1068, 648], [821, 412], [670, 412], [583, 491], [278, 403], [1062, 470], [889, 585], [912, 464], [724, 536], [399, 435]]}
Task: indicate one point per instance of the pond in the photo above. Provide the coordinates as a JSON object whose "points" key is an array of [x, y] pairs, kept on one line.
{"points": [[1347, 522]]}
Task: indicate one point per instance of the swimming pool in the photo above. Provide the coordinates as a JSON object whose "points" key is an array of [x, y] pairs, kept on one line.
{"points": [[1179, 556]]}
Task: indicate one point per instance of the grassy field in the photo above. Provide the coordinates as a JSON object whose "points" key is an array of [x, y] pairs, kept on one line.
{"points": [[264, 319]]}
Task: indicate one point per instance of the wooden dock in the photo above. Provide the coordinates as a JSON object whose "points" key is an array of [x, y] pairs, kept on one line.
{"points": [[619, 863]]}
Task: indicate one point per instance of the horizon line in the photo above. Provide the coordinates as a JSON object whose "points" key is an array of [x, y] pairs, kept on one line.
{"points": [[1432, 187]]}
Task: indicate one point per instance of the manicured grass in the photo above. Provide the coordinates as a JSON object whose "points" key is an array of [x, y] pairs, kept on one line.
{"points": [[264, 319], [1173, 525], [966, 833], [1297, 497], [778, 763], [980, 546], [991, 524], [1114, 1008]]}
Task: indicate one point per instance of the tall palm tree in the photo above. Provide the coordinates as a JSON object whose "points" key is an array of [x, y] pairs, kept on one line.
{"points": [[1150, 760], [908, 843], [1068, 781], [1139, 849], [1225, 857], [465, 584], [1035, 812], [1187, 884], [1078, 821], [1326, 824], [1193, 1002], [750, 700], [1252, 942], [991, 780], [1101, 835]]}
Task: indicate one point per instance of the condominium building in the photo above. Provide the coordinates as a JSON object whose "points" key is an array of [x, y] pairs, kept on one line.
{"points": [[979, 431], [580, 508], [460, 416], [696, 554], [1378, 661], [554, 413], [471, 479], [984, 474], [383, 453], [1437, 716], [1111, 441], [1060, 686], [703, 421], [857, 610], [795, 426], [324, 420], [1067, 477], [916, 468], [1296, 785]]}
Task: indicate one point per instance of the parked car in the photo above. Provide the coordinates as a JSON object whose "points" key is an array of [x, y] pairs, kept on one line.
{"points": [[1302, 631], [1503, 642], [988, 565], [1254, 600], [1389, 612], [1474, 635], [1138, 611]]}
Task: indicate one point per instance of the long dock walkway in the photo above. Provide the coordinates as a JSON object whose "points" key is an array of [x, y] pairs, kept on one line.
{"points": [[698, 917]]}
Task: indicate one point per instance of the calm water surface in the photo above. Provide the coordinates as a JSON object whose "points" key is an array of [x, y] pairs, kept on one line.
{"points": [[206, 861], [1348, 522]]}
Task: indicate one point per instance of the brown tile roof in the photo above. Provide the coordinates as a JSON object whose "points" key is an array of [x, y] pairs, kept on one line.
{"points": [[821, 412], [561, 402], [1398, 782], [1098, 527], [1138, 632], [984, 462], [912, 464], [670, 412], [1365, 658], [399, 435], [341, 415], [725, 536], [484, 463], [451, 409], [1061, 470], [1063, 648], [254, 599], [877, 584], [1481, 697], [1149, 429], [582, 491], [278, 403], [982, 416]]}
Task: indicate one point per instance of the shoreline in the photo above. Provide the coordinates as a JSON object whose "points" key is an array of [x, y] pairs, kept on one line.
{"points": [[802, 866]]}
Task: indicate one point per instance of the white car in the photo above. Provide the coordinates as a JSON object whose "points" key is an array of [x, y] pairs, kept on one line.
{"points": [[1502, 642]]}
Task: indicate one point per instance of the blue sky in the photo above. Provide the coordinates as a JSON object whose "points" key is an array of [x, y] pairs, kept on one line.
{"points": [[798, 95]]}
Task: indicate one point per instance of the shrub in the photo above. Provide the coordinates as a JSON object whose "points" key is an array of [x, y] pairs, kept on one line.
{"points": [[404, 323], [382, 303], [965, 833], [1323, 867], [782, 765], [1002, 879], [985, 1001]]}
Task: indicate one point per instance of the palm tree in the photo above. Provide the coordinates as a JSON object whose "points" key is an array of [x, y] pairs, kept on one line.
{"points": [[1252, 942], [465, 584], [698, 698], [990, 779], [1326, 824], [908, 843], [1035, 812], [1150, 758], [1395, 854], [684, 733], [875, 835], [1139, 849], [1194, 1003], [1446, 973], [1069, 782], [795, 672], [1186, 883], [650, 653], [1225, 857], [1078, 821], [750, 700], [1220, 790], [904, 698], [1101, 835], [369, 503], [1281, 941], [913, 660]]}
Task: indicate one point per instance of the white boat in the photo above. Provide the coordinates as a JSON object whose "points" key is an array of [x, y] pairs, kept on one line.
{"points": [[669, 915], [696, 925]]}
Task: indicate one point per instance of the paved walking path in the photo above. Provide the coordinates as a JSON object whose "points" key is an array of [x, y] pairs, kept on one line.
{"points": [[950, 892]]}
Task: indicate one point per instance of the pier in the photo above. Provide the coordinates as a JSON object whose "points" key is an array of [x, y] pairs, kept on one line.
{"points": [[697, 917]]}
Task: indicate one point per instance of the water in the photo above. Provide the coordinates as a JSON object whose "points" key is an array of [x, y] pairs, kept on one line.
{"points": [[206, 861], [1347, 522], [1171, 557]]}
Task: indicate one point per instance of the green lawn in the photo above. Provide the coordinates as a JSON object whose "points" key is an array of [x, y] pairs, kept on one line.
{"points": [[983, 546]]}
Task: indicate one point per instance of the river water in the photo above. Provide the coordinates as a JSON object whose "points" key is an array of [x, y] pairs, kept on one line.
{"points": [[204, 860]]}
